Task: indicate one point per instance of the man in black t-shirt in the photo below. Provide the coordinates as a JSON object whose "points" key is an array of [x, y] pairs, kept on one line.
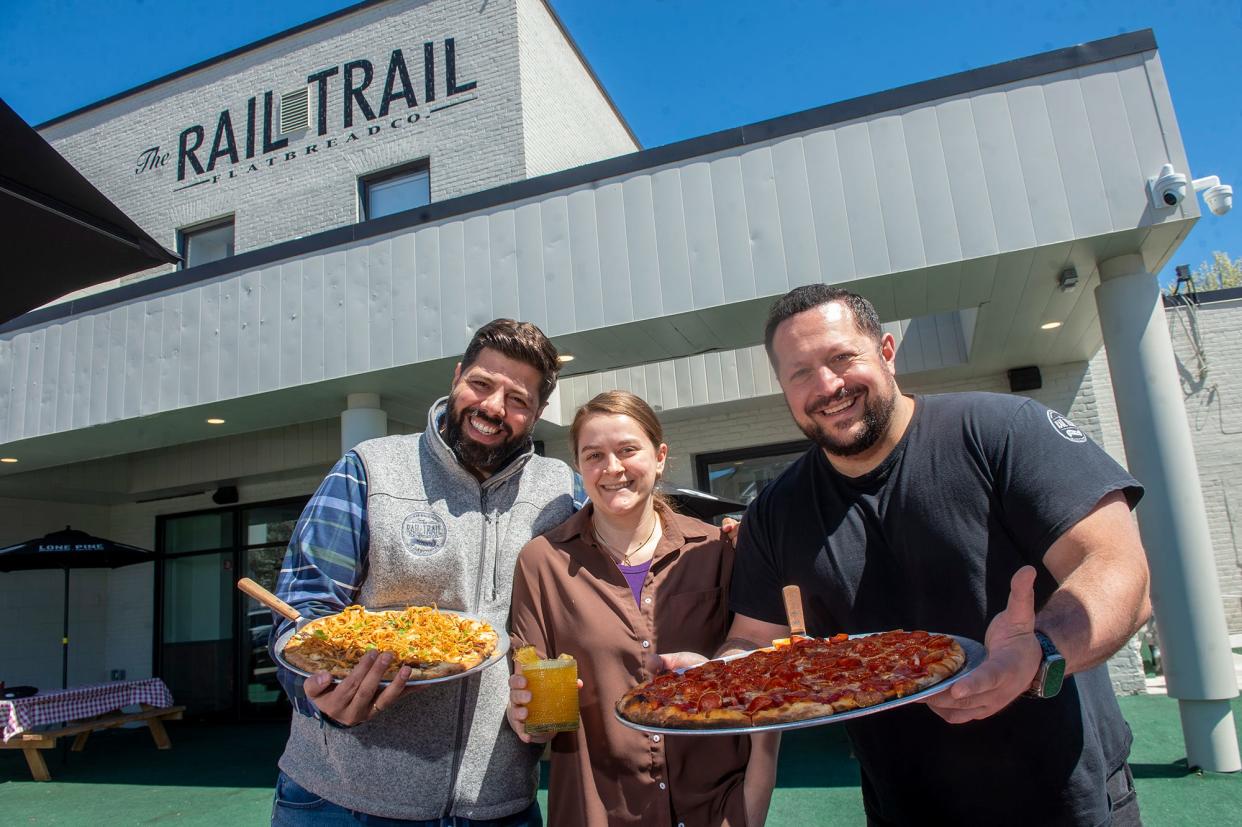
{"points": [[982, 515]]}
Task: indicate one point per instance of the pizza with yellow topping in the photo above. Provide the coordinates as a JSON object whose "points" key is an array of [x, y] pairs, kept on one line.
{"points": [[434, 644]]}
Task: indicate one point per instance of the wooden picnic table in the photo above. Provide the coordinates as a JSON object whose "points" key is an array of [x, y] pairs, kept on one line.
{"points": [[36, 723]]}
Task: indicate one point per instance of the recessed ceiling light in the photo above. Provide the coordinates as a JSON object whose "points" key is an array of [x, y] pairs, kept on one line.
{"points": [[8, 459], [1049, 325], [215, 420], [566, 357]]}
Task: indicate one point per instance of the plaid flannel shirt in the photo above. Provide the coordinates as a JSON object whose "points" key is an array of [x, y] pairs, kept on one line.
{"points": [[326, 560]]}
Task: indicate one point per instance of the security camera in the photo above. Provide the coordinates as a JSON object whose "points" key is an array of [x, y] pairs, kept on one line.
{"points": [[1168, 189], [1218, 196]]}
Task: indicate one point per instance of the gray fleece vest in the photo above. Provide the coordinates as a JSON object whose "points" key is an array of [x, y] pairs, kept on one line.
{"points": [[438, 536]]}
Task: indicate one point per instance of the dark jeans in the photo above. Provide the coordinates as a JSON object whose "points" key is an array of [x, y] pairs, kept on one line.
{"points": [[1122, 801], [295, 806]]}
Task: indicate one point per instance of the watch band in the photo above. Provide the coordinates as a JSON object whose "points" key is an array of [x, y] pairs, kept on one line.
{"points": [[1051, 673], [1045, 643]]}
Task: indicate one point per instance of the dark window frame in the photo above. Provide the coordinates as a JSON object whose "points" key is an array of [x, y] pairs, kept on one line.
{"points": [[238, 549], [703, 461], [183, 234], [380, 176]]}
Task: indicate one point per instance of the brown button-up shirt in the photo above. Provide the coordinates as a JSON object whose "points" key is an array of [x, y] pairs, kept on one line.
{"points": [[569, 596]]}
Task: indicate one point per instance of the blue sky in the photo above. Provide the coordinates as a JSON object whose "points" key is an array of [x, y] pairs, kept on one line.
{"points": [[681, 68]]}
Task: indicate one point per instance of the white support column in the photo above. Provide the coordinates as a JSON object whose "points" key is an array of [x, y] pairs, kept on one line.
{"points": [[1185, 591], [362, 419]]}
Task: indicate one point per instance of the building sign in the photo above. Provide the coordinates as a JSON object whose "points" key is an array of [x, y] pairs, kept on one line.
{"points": [[374, 98]]}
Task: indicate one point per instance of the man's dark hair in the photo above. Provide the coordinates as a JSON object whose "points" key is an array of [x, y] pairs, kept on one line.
{"points": [[522, 341], [809, 296]]}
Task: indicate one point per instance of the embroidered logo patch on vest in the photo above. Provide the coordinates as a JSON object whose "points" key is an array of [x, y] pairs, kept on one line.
{"points": [[424, 532], [1066, 428]]}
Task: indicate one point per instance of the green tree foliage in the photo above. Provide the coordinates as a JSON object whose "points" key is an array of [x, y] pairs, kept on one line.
{"points": [[1217, 274]]}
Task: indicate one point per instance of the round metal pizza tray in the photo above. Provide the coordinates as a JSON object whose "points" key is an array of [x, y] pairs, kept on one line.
{"points": [[975, 655], [502, 648]]}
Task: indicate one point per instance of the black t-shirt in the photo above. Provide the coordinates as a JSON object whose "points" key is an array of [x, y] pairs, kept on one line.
{"points": [[980, 485]]}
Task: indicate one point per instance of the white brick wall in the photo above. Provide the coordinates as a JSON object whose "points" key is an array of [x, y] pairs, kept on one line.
{"points": [[472, 146], [566, 120], [1208, 351], [549, 107]]}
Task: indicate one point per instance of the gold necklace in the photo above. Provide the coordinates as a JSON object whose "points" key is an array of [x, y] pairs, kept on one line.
{"points": [[625, 558]]}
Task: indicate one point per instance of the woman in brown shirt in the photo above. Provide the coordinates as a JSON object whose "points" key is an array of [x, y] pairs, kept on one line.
{"points": [[622, 579]]}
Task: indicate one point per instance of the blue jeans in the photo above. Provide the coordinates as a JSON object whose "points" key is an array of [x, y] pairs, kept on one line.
{"points": [[295, 806]]}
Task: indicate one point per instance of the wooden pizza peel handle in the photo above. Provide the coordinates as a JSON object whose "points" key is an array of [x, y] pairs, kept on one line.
{"points": [[268, 599], [793, 610]]}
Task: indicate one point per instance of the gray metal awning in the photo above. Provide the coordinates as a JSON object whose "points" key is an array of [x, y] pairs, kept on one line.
{"points": [[962, 196]]}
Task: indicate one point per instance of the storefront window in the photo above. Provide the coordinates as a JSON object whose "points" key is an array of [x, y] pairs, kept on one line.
{"points": [[198, 532], [741, 474]]}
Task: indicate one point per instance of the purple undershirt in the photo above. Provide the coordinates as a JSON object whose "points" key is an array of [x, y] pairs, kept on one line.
{"points": [[635, 575]]}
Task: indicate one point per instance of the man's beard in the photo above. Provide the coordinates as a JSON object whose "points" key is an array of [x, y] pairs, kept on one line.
{"points": [[877, 413], [473, 454]]}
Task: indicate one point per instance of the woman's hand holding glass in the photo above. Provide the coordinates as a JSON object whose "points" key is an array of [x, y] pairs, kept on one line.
{"points": [[557, 702]]}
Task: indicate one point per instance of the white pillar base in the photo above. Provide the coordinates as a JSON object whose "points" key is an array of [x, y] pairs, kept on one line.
{"points": [[363, 419], [1211, 739]]}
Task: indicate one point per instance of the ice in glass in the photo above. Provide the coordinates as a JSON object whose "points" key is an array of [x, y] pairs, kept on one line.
{"points": [[553, 687]]}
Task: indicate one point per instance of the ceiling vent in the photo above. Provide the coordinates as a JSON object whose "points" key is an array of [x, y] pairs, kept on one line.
{"points": [[294, 111]]}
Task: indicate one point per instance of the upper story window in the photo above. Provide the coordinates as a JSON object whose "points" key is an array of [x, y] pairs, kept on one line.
{"points": [[394, 190], [205, 242]]}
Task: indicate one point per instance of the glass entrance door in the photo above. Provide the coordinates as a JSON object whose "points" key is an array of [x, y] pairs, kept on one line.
{"points": [[212, 647], [262, 696], [266, 530], [196, 625]]}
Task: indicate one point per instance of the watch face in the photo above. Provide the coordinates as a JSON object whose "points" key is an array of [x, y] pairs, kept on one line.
{"points": [[1054, 677]]}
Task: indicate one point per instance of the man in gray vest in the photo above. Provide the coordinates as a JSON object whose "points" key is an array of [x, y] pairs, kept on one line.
{"points": [[435, 518]]}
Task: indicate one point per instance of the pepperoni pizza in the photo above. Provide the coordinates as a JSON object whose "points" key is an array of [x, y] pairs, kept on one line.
{"points": [[795, 680]]}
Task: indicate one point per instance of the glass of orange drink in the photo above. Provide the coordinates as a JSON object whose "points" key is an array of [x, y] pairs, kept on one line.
{"points": [[553, 687]]}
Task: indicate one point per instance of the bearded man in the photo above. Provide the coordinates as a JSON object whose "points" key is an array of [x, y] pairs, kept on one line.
{"points": [[982, 515], [434, 518]]}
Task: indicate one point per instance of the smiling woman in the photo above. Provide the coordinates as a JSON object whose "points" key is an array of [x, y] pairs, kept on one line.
{"points": [[644, 580]]}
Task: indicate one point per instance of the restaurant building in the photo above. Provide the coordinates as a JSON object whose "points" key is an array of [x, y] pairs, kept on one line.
{"points": [[354, 197]]}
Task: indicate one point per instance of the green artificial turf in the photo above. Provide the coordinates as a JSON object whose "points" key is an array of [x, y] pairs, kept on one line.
{"points": [[217, 774], [1169, 793], [223, 775]]}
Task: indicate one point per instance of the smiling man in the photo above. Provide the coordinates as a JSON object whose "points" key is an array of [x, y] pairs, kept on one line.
{"points": [[436, 518], [982, 515]]}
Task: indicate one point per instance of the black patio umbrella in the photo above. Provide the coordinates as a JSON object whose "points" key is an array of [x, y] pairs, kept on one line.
{"points": [[69, 549], [58, 232], [700, 504]]}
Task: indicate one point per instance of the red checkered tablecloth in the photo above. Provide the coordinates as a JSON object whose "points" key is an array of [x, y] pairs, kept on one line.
{"points": [[24, 714]]}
